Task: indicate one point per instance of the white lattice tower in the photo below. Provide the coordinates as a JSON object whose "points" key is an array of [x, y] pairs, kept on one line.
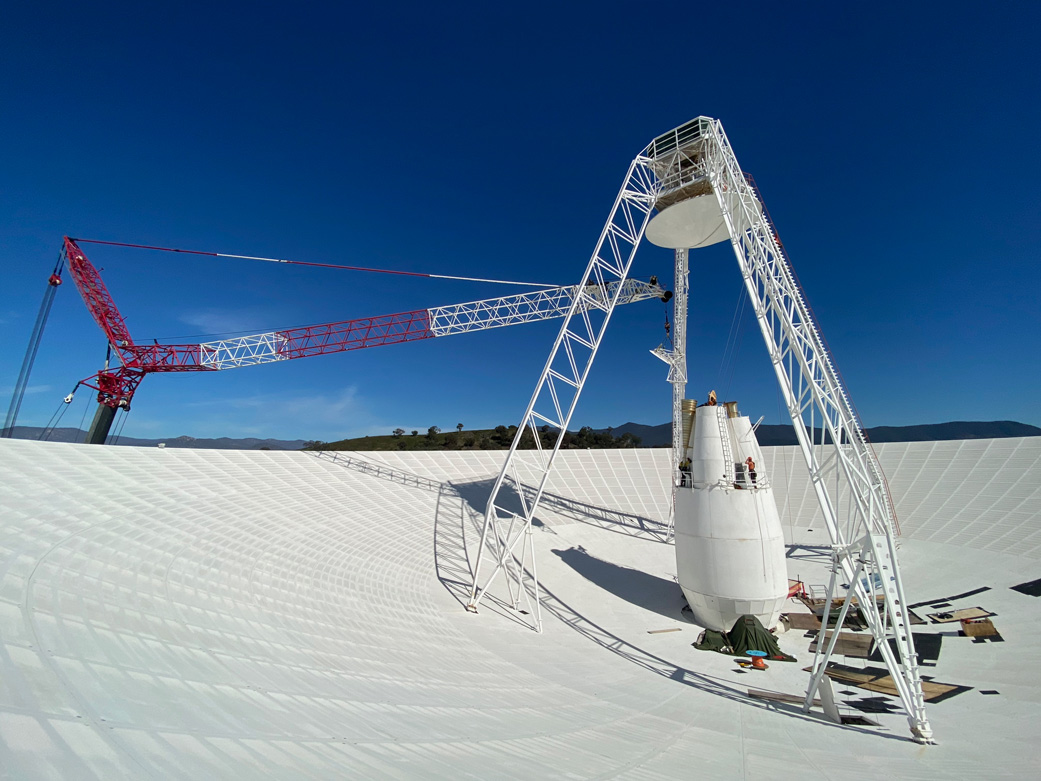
{"points": [[692, 161], [678, 358]]}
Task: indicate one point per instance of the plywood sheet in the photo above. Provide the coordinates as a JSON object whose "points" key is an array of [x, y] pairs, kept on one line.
{"points": [[848, 644], [959, 615], [876, 680], [803, 621]]}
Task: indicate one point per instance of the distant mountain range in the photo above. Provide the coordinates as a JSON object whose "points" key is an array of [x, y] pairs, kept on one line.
{"points": [[659, 436], [650, 436], [223, 443]]}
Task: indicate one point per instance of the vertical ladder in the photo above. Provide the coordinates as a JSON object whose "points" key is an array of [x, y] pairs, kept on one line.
{"points": [[729, 475]]}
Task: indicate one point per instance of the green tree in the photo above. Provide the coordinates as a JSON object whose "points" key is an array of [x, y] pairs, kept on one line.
{"points": [[459, 427], [398, 432], [414, 432], [628, 440]]}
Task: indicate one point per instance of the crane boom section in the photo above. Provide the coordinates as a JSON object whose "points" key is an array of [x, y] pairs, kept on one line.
{"points": [[409, 326], [315, 340], [96, 296], [150, 358], [528, 307]]}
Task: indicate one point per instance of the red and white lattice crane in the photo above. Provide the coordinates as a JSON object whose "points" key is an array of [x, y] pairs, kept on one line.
{"points": [[116, 387]]}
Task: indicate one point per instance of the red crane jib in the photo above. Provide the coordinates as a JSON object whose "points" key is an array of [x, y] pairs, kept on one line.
{"points": [[96, 296], [355, 334]]}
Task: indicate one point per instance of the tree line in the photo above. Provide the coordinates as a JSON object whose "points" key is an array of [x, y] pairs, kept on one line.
{"points": [[499, 438]]}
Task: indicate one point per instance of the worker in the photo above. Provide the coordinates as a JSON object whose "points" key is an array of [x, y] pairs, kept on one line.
{"points": [[684, 471], [712, 398], [751, 469]]}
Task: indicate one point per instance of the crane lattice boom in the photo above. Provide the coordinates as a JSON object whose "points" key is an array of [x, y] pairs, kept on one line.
{"points": [[116, 387], [409, 326]]}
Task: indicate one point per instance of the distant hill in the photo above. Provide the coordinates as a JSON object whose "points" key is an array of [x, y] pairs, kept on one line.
{"points": [[495, 439], [223, 443], [661, 436]]}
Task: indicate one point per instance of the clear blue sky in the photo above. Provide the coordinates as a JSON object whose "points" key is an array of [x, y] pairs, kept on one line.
{"points": [[895, 145]]}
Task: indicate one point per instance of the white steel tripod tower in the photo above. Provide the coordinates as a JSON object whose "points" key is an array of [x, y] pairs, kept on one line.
{"points": [[694, 166]]}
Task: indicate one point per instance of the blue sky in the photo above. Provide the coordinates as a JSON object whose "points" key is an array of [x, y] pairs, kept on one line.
{"points": [[895, 147]]}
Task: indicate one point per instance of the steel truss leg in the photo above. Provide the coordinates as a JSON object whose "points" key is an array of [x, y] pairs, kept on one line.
{"points": [[819, 666], [815, 395], [553, 403]]}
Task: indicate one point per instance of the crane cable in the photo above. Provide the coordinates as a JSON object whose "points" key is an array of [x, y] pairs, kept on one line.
{"points": [[59, 413], [83, 417], [319, 265], [119, 430], [728, 362], [33, 348]]}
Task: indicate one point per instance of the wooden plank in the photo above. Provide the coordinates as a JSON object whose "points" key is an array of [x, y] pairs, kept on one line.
{"points": [[883, 684], [981, 627], [848, 644], [803, 621], [850, 676], [959, 615], [795, 699]]}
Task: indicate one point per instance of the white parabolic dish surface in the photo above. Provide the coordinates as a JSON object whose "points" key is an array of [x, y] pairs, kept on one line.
{"points": [[217, 614]]}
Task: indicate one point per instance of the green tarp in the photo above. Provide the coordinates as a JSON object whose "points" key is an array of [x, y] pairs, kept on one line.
{"points": [[746, 635]]}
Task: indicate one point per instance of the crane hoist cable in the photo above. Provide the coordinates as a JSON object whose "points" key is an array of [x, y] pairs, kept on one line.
{"points": [[59, 413], [86, 409], [119, 429], [319, 265], [727, 362]]}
